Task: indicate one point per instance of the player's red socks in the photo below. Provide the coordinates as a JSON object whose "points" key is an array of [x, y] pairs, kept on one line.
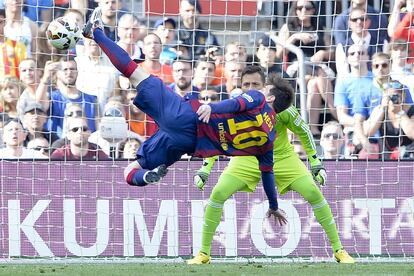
{"points": [[130, 177], [119, 58]]}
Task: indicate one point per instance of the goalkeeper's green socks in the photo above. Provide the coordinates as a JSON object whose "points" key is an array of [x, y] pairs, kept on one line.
{"points": [[212, 218], [226, 186], [324, 216], [307, 188]]}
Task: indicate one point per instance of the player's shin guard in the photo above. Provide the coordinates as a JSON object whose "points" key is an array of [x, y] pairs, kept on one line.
{"points": [[119, 58]]}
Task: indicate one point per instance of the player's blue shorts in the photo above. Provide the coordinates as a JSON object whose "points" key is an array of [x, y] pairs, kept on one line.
{"points": [[176, 120]]}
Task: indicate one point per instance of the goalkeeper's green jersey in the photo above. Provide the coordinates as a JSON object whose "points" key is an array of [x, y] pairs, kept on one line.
{"points": [[291, 119]]}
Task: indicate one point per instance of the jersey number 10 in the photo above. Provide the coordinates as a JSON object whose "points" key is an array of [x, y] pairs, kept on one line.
{"points": [[254, 138]]}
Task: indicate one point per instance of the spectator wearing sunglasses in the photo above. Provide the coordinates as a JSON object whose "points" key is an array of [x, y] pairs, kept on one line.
{"points": [[353, 98], [72, 110], [209, 95], [78, 148], [305, 30], [368, 136], [367, 142], [66, 92], [394, 119], [355, 87], [359, 24], [113, 129], [40, 144], [377, 28], [332, 141]]}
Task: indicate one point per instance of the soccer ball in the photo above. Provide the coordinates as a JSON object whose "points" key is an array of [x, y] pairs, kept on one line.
{"points": [[63, 34]]}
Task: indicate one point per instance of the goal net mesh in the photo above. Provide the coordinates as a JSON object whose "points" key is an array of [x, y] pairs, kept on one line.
{"points": [[83, 208]]}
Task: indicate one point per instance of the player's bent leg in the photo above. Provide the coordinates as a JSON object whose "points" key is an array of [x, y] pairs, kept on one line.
{"points": [[307, 188], [226, 186], [135, 175], [118, 56]]}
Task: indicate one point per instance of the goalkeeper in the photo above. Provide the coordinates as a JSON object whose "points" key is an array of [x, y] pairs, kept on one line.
{"points": [[242, 174]]}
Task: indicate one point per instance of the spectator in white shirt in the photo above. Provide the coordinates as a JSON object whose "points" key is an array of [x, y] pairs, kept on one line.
{"points": [[13, 137], [96, 75]]}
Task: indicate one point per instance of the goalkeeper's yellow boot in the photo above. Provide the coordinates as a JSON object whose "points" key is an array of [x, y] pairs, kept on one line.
{"points": [[341, 256], [201, 258]]}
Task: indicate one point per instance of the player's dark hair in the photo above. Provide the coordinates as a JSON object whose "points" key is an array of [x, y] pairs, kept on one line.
{"points": [[204, 59], [253, 69], [3, 13], [283, 92], [154, 34], [183, 59]]}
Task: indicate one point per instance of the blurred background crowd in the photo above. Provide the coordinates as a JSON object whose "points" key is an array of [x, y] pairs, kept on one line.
{"points": [[75, 105]]}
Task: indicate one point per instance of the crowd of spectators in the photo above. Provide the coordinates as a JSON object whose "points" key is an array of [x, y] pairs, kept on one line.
{"points": [[76, 106]]}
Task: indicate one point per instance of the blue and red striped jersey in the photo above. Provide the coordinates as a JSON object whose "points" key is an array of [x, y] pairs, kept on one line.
{"points": [[239, 127]]}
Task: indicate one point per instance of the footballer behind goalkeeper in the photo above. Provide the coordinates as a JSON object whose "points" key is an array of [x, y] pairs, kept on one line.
{"points": [[240, 126], [242, 174]]}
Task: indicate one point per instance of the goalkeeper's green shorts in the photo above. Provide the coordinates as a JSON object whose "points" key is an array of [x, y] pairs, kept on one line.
{"points": [[287, 170]]}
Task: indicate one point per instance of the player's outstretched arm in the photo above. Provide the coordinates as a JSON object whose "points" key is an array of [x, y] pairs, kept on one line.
{"points": [[292, 119], [245, 101], [270, 190]]}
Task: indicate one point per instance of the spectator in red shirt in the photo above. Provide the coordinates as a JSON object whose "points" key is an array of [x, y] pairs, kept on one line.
{"points": [[405, 30], [78, 148]]}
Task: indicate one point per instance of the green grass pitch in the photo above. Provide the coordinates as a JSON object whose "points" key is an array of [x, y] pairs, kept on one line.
{"points": [[314, 269]]}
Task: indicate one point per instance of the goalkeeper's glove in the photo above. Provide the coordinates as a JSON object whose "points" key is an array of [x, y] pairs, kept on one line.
{"points": [[201, 176], [318, 170]]}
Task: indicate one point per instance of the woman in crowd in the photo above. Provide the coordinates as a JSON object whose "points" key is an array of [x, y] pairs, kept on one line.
{"points": [[304, 30], [394, 119], [10, 90]]}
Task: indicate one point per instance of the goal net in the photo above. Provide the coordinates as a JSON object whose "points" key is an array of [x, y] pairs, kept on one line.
{"points": [[71, 208]]}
